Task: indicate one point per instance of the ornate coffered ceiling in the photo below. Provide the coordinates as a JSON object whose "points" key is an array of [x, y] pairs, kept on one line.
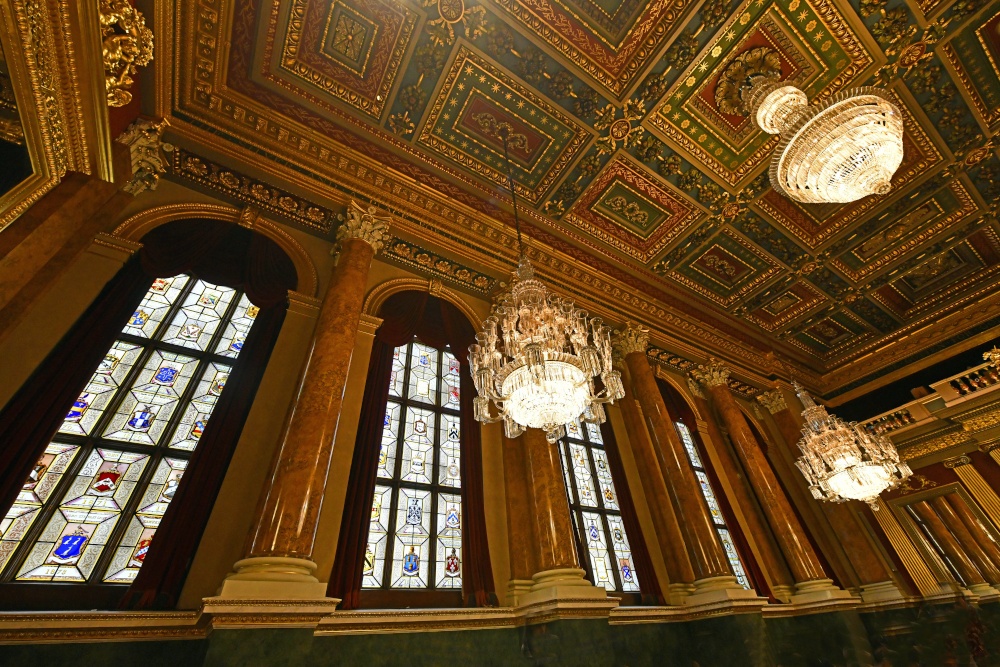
{"points": [[640, 170]]}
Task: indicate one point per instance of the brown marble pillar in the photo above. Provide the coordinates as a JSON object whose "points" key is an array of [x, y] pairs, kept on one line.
{"points": [[973, 578], [521, 541], [668, 530], [965, 539], [789, 533], [708, 560], [872, 573], [765, 549], [980, 532], [282, 545]]}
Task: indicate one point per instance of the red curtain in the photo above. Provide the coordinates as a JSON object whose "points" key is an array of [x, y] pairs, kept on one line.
{"points": [[436, 323], [218, 252], [649, 586]]}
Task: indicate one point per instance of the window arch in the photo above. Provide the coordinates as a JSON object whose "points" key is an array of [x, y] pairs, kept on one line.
{"points": [[413, 530], [117, 445]]}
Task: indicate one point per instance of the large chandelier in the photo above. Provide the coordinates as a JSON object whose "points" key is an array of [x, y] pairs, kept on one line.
{"points": [[839, 150], [538, 357], [842, 461]]}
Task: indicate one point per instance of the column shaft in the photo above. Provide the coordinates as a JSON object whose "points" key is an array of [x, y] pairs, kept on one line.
{"points": [[707, 557], [981, 534], [551, 516], [766, 552], [965, 538], [966, 568], [668, 531], [287, 523], [791, 537], [866, 563], [520, 507]]}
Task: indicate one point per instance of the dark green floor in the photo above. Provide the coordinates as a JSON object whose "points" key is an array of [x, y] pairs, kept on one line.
{"points": [[931, 636]]}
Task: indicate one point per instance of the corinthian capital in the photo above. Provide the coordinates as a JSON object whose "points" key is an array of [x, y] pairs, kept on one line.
{"points": [[713, 374], [365, 224], [773, 401], [633, 338]]}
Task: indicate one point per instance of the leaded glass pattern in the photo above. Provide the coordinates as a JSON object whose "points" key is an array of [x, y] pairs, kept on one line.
{"points": [[415, 532], [708, 493], [89, 510], [593, 501]]}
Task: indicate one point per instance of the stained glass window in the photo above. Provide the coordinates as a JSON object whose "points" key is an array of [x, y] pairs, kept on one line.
{"points": [[415, 531], [713, 505], [594, 503], [89, 510]]}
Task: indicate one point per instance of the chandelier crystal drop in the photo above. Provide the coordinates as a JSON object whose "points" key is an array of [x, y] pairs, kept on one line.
{"points": [[842, 461], [836, 151], [538, 357]]}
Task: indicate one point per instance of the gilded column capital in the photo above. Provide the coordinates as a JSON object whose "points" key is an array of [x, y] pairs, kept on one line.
{"points": [[956, 461], [632, 338], [773, 400], [713, 374], [695, 388], [365, 224]]}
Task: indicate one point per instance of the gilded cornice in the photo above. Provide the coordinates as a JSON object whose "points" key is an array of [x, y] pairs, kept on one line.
{"points": [[931, 443], [980, 419]]}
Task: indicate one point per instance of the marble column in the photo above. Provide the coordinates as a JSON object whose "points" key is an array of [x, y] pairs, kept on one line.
{"points": [[668, 530], [980, 532], [966, 539], [811, 582], [520, 528], [713, 577], [558, 573], [874, 577], [279, 563], [973, 578], [764, 547]]}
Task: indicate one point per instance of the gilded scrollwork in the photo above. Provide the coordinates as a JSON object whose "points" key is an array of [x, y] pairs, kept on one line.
{"points": [[144, 138], [128, 45]]}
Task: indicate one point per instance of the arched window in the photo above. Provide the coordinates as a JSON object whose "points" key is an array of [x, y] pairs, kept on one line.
{"points": [[597, 511], [415, 533], [89, 509], [131, 420], [708, 493], [413, 530]]}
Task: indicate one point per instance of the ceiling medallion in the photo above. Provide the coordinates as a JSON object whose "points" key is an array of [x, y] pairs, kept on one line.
{"points": [[537, 356], [842, 461], [840, 150]]}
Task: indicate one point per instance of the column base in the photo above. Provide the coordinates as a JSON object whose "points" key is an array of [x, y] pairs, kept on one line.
{"points": [[818, 590], [783, 592], [516, 589], [273, 578], [985, 592], [881, 592], [678, 593], [716, 589], [561, 584]]}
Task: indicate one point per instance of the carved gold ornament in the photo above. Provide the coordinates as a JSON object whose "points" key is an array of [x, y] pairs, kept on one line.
{"points": [[712, 375], [773, 401], [740, 74], [632, 338], [128, 44], [366, 224]]}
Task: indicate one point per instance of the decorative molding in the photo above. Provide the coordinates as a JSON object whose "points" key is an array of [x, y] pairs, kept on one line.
{"points": [[695, 388], [128, 45], [137, 225], [378, 294], [364, 224], [989, 447], [980, 419], [712, 375], [936, 441], [633, 338], [412, 255], [145, 144], [773, 400], [956, 461], [369, 324]]}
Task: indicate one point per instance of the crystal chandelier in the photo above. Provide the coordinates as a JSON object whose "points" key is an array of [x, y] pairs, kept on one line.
{"points": [[538, 357], [842, 149], [842, 461]]}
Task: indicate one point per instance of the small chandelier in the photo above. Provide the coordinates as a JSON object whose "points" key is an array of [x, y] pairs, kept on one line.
{"points": [[842, 149], [538, 357], [842, 461]]}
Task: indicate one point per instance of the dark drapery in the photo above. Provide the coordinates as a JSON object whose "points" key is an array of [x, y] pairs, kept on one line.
{"points": [[649, 586], [218, 252], [436, 323]]}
